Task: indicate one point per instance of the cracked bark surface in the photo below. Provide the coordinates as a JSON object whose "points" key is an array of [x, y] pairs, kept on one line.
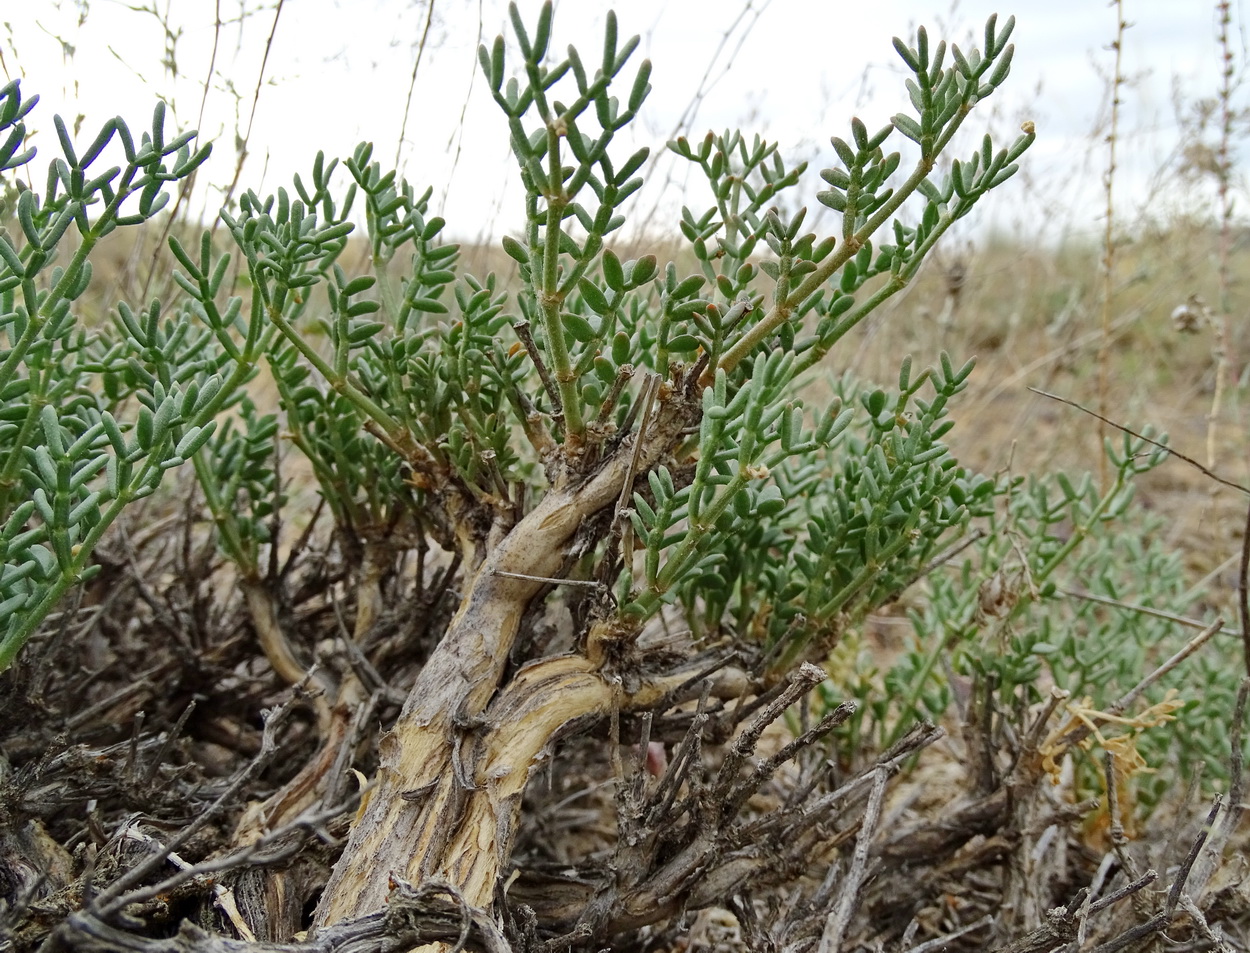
{"points": [[453, 767]]}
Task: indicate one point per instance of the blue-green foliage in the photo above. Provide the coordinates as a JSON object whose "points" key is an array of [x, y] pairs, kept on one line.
{"points": [[998, 619], [68, 465]]}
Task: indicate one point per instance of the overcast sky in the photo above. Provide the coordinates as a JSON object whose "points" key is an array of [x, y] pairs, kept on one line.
{"points": [[795, 71]]}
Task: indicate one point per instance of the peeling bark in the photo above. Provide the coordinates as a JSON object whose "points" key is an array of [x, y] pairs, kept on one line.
{"points": [[436, 809]]}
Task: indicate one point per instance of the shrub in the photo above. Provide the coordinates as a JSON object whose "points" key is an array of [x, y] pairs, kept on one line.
{"points": [[615, 468]]}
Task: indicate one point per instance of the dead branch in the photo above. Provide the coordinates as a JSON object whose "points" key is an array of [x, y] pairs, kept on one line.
{"points": [[434, 913]]}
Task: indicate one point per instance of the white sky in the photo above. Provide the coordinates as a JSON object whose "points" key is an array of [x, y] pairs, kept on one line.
{"points": [[794, 71]]}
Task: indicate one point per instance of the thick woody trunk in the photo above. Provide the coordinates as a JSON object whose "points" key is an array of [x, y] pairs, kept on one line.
{"points": [[450, 774]]}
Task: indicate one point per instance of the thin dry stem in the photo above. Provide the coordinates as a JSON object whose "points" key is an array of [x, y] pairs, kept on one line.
{"points": [[247, 135], [1220, 328], [1108, 238], [1205, 471], [840, 917]]}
